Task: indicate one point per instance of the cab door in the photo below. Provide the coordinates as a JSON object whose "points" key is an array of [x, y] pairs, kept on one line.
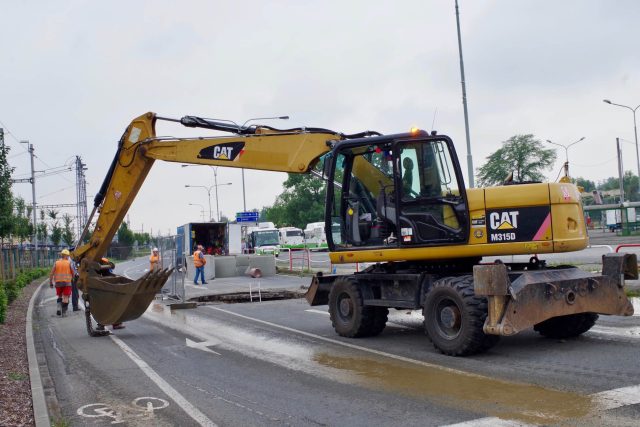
{"points": [[432, 206]]}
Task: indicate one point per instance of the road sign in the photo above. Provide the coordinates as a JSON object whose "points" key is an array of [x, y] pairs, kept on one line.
{"points": [[247, 216]]}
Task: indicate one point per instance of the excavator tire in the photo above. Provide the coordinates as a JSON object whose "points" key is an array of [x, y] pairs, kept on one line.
{"points": [[568, 326], [454, 317], [349, 317]]}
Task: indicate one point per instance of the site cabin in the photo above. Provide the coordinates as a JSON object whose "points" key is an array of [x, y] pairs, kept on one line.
{"points": [[291, 238], [213, 236], [263, 240]]}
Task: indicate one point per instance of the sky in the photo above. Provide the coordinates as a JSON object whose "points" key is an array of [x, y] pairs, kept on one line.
{"points": [[75, 73]]}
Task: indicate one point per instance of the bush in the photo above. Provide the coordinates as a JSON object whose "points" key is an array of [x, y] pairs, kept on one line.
{"points": [[4, 301], [12, 290]]}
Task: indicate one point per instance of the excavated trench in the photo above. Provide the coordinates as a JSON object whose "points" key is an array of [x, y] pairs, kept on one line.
{"points": [[242, 297]]}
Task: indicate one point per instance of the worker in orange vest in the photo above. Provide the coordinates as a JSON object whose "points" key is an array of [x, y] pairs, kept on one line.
{"points": [[154, 260], [61, 276], [198, 262]]}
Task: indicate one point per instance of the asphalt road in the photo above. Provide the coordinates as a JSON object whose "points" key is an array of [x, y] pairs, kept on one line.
{"points": [[280, 363]]}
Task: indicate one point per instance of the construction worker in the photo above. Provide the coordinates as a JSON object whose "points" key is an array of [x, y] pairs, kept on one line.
{"points": [[198, 262], [154, 260], [61, 277]]}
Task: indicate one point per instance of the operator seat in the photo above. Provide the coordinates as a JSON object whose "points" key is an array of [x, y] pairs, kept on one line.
{"points": [[385, 207]]}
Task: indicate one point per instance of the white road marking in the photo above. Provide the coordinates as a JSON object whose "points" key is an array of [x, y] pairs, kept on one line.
{"points": [[389, 323], [180, 400], [604, 400], [490, 422], [204, 345], [618, 397]]}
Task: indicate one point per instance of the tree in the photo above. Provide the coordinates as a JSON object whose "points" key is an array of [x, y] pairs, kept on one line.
{"points": [[42, 229], [587, 184], [521, 154], [6, 198], [125, 236], [301, 202], [56, 230], [22, 227], [630, 184], [68, 235]]}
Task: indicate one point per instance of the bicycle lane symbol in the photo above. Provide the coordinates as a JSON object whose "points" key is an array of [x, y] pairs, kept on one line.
{"points": [[143, 407]]}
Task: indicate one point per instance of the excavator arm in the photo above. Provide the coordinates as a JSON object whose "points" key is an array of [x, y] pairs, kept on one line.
{"points": [[113, 299]]}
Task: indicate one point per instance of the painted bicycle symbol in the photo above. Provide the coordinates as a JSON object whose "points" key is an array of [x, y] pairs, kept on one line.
{"points": [[141, 407]]}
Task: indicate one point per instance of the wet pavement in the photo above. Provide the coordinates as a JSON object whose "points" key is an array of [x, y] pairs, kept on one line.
{"points": [[281, 363]]}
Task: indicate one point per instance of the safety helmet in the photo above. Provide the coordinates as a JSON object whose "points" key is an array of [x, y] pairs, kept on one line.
{"points": [[155, 249], [65, 252]]}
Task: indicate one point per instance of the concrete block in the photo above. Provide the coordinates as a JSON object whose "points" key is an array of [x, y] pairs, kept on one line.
{"points": [[225, 266], [209, 268], [243, 260], [266, 263]]}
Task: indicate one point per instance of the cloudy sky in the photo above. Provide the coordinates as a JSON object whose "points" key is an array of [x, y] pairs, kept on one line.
{"points": [[74, 73]]}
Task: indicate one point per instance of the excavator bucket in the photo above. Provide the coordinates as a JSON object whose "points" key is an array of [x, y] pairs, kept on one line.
{"points": [[116, 299]]}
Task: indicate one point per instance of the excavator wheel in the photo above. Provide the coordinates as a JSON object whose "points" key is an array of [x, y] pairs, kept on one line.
{"points": [[349, 317], [454, 317], [568, 326]]}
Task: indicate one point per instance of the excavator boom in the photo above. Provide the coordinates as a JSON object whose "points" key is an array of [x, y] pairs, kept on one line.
{"points": [[114, 299]]}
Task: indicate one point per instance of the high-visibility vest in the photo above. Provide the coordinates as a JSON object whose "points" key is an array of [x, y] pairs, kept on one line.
{"points": [[153, 261], [198, 259], [62, 271]]}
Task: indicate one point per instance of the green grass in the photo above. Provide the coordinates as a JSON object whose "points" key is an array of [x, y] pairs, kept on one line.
{"points": [[60, 422], [17, 376]]}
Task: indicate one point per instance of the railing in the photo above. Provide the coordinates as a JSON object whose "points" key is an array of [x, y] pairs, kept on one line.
{"points": [[306, 261], [627, 245]]}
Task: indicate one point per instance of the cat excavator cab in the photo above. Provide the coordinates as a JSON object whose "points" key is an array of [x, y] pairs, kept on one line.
{"points": [[397, 202]]}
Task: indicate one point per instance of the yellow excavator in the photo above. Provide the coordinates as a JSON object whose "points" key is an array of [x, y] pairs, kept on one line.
{"points": [[397, 202]]}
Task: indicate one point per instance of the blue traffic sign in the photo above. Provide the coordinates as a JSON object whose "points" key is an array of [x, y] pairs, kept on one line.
{"points": [[247, 216]]}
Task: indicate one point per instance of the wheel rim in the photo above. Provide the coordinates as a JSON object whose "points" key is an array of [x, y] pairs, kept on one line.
{"points": [[448, 319], [345, 307]]}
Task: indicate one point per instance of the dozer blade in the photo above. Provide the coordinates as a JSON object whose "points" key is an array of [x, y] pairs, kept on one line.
{"points": [[116, 299]]}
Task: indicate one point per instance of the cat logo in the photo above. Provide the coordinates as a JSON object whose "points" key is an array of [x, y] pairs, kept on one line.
{"points": [[507, 220], [222, 153], [228, 151]]}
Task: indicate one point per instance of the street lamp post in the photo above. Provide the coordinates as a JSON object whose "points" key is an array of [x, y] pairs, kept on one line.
{"points": [[464, 102], [201, 209], [635, 131], [566, 153], [216, 185], [208, 194]]}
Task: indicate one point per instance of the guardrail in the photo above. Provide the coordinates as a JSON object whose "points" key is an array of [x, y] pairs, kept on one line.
{"points": [[627, 245]]}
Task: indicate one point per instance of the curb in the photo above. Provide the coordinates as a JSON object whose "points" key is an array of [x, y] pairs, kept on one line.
{"points": [[40, 412]]}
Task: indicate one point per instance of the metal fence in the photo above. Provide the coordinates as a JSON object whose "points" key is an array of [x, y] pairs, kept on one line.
{"points": [[15, 259], [170, 258]]}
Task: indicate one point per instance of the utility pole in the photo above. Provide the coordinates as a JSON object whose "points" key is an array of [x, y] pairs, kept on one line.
{"points": [[244, 199], [623, 211], [81, 196], [34, 237], [464, 103]]}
